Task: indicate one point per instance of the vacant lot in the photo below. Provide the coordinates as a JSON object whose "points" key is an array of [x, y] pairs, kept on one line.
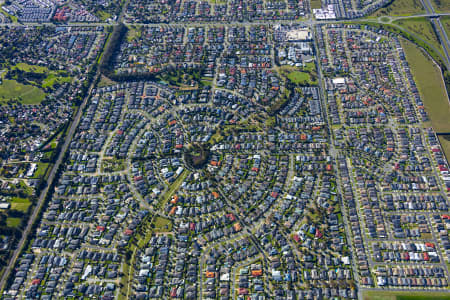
{"points": [[428, 78], [13, 222], [162, 224], [400, 8], [421, 27], [26, 94], [105, 81], [20, 204], [133, 33], [103, 15], [316, 4], [381, 295], [446, 23], [441, 5], [41, 170], [30, 68]]}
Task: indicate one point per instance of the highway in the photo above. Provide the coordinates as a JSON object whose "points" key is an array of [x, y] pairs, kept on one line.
{"points": [[440, 31]]}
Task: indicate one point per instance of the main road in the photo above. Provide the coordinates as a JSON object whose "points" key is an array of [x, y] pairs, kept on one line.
{"points": [[440, 31], [53, 171], [45, 191]]}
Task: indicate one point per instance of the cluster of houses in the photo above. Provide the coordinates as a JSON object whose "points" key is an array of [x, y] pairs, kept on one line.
{"points": [[238, 57], [411, 276], [442, 225], [279, 207], [65, 13], [347, 9], [100, 227], [387, 158], [154, 266], [33, 11], [161, 11], [56, 48], [45, 11], [404, 226], [21, 137], [28, 133], [152, 124]]}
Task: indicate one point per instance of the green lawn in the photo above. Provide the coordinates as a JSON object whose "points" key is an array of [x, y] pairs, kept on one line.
{"points": [[421, 27], [172, 188], [41, 170], [401, 8], [26, 94], [13, 222], [103, 15], [305, 75], [20, 204], [302, 78], [315, 4], [30, 68], [410, 295], [53, 78], [298, 77], [431, 87], [133, 33], [162, 224], [105, 81], [26, 189]]}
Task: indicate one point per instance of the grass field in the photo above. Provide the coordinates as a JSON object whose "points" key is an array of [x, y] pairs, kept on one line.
{"points": [[26, 94], [105, 81], [113, 165], [431, 87], [30, 68], [421, 27], [133, 33], [162, 224], [172, 188], [52, 77], [316, 4], [13, 222], [400, 8], [411, 295], [446, 23], [21, 204], [41, 170], [441, 6], [300, 75], [26, 189], [103, 15]]}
